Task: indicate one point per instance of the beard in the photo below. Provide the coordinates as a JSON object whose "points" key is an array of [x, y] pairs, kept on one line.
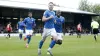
{"points": [[58, 15]]}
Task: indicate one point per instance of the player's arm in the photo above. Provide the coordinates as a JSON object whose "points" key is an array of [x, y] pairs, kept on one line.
{"points": [[45, 18], [77, 27], [17, 26], [24, 21], [63, 20], [80, 27], [91, 24], [55, 21], [34, 24], [24, 25], [98, 25], [11, 28]]}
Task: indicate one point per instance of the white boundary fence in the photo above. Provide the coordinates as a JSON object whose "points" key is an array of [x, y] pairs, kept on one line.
{"points": [[37, 34]]}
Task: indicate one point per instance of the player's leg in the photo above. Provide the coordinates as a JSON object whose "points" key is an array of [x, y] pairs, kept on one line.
{"points": [[59, 38], [53, 42], [28, 40], [51, 38], [20, 33], [97, 31], [9, 34], [77, 34], [80, 34], [29, 35], [44, 35], [41, 44], [26, 35], [95, 37], [94, 32]]}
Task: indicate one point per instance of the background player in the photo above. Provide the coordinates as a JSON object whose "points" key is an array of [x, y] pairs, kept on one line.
{"points": [[79, 29], [30, 24], [20, 27], [95, 26], [48, 18], [9, 29], [59, 20]]}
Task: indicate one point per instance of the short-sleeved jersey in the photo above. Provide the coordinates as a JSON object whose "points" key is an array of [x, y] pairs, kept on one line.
{"points": [[30, 23], [94, 24], [8, 28], [58, 25], [79, 27], [49, 23], [21, 25]]}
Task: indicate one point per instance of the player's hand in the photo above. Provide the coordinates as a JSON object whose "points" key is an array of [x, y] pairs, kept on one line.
{"points": [[51, 17], [54, 21]]}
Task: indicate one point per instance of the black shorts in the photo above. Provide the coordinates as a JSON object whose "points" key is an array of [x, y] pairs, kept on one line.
{"points": [[95, 31], [8, 31], [78, 31]]}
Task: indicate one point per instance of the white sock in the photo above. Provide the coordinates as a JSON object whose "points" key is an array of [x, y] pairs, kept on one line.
{"points": [[49, 48], [26, 44], [39, 49]]}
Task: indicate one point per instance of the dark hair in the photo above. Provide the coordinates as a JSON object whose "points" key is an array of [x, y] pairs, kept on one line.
{"points": [[51, 3], [79, 23], [21, 18], [9, 22], [29, 12], [58, 11]]}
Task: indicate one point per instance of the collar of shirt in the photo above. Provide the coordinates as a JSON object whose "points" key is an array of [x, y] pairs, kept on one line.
{"points": [[50, 11], [30, 17], [58, 17]]}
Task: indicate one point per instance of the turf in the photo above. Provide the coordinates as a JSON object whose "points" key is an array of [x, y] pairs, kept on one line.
{"points": [[72, 46]]}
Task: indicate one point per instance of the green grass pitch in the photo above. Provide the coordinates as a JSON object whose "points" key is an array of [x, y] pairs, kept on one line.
{"points": [[72, 46]]}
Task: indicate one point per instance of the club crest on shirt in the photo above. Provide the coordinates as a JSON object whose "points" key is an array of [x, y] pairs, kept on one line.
{"points": [[32, 19]]}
